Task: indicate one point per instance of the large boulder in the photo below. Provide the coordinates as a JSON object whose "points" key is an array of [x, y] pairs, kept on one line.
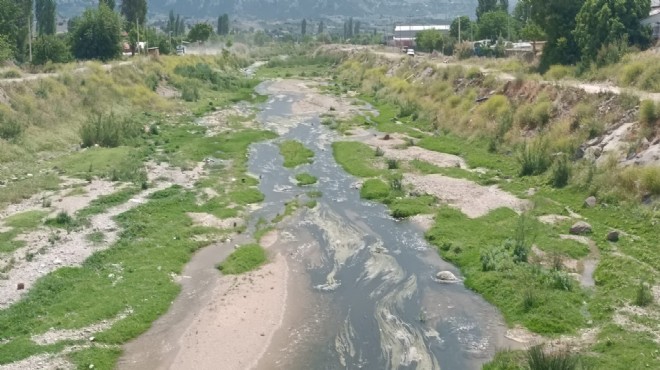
{"points": [[581, 228], [446, 276], [590, 202]]}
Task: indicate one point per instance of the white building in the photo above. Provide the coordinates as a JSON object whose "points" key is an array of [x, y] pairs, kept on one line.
{"points": [[406, 35]]}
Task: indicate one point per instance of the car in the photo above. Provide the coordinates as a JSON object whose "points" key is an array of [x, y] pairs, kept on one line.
{"points": [[180, 50], [411, 52], [404, 49]]}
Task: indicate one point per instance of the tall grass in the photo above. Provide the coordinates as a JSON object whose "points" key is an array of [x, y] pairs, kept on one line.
{"points": [[538, 359], [109, 131], [534, 158], [245, 258]]}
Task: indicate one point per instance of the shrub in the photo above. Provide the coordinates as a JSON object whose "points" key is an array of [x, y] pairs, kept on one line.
{"points": [[245, 258], [648, 113], [559, 280], [534, 159], [109, 131], [379, 152], [643, 295], [529, 300], [561, 173], [558, 72], [12, 73], [374, 189], [392, 164], [538, 359], [10, 128], [50, 48], [396, 182], [190, 93], [464, 50]]}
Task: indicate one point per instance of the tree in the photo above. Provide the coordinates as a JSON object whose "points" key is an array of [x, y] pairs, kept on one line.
{"points": [[177, 30], [356, 28], [465, 24], [6, 50], [557, 20], [349, 27], [110, 3], [321, 28], [97, 34], [493, 25], [605, 22], [523, 11], [223, 24], [303, 27], [430, 40], [532, 32], [486, 6], [200, 32], [135, 11], [45, 13], [50, 48]]}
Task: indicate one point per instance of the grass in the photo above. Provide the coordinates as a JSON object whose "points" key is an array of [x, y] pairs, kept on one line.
{"points": [[295, 153], [246, 258], [19, 223], [305, 179], [355, 157], [374, 189]]}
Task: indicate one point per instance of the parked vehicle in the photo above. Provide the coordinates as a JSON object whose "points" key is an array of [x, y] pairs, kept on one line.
{"points": [[180, 50], [411, 52]]}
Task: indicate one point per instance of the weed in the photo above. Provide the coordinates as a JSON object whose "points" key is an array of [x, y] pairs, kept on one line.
{"points": [[190, 93], [561, 172], [392, 164], [379, 152], [643, 295], [538, 359], [396, 183], [246, 258], [109, 131], [649, 113], [529, 300], [534, 159], [63, 220]]}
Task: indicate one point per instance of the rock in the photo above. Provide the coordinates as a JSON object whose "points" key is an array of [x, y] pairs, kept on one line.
{"points": [[613, 236], [386, 137], [91, 339], [20, 286], [446, 276], [590, 202], [580, 228]]}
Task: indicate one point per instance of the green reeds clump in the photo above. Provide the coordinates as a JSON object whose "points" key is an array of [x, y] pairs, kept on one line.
{"points": [[561, 172], [109, 131], [643, 295], [534, 159]]}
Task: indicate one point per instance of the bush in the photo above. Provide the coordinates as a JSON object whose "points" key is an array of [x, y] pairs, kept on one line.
{"points": [[392, 164], [97, 34], [50, 48], [643, 295], [649, 113], [561, 173], [109, 131], [464, 50], [10, 129], [534, 159], [374, 189], [558, 72], [538, 359], [245, 258], [12, 73], [190, 93]]}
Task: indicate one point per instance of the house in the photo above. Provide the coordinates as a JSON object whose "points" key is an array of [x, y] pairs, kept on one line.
{"points": [[406, 35], [653, 19]]}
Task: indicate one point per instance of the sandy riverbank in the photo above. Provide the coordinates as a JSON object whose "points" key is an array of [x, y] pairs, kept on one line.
{"points": [[218, 321]]}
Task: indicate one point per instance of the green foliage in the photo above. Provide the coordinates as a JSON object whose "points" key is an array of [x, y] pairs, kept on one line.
{"points": [[200, 32], [190, 93], [643, 295], [97, 34], [559, 72], [135, 11], [486, 6], [538, 359], [6, 51], [109, 131], [44, 11], [305, 179], [495, 24], [532, 32], [506, 359], [392, 164], [10, 127], [246, 258], [649, 113], [411, 206], [223, 24], [557, 20], [295, 153], [466, 25], [430, 40], [534, 159], [109, 3], [374, 189], [464, 50], [50, 48], [603, 22], [561, 172]]}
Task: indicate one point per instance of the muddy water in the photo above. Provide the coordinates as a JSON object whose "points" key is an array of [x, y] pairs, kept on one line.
{"points": [[371, 301]]}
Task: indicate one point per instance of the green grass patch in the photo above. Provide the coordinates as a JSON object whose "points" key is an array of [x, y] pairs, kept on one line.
{"points": [[356, 158], [374, 189], [105, 202], [305, 179], [475, 152], [246, 258], [411, 206], [295, 153], [554, 309], [19, 223], [246, 196]]}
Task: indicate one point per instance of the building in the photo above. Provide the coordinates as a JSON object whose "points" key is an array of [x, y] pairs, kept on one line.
{"points": [[653, 19], [406, 35]]}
